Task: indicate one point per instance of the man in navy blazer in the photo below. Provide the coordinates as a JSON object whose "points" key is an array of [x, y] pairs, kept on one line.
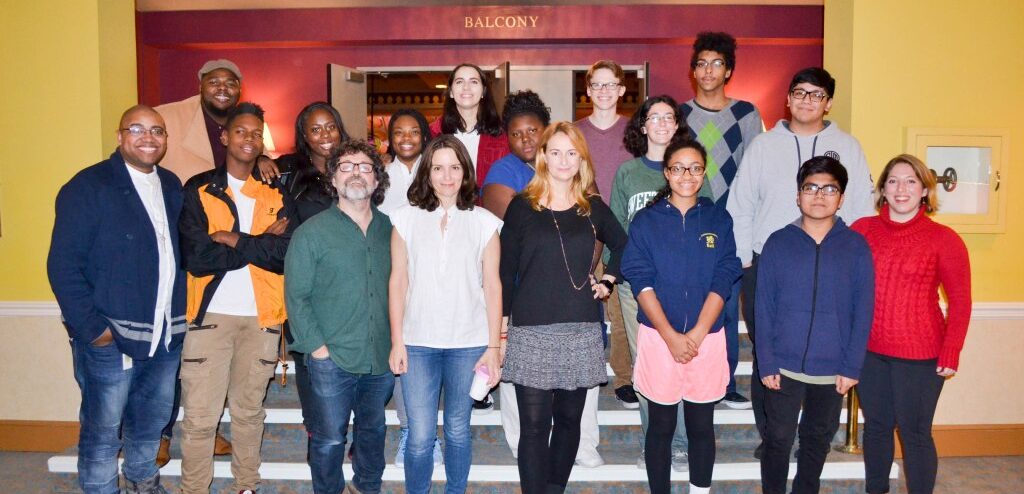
{"points": [[114, 268]]}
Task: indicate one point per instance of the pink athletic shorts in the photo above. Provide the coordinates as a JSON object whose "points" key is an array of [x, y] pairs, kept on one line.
{"points": [[659, 378]]}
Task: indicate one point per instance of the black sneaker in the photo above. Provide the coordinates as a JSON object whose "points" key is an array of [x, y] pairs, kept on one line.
{"points": [[627, 397], [736, 401], [483, 406]]}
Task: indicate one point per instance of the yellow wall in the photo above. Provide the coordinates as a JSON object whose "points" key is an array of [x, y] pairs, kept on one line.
{"points": [[69, 72], [938, 63], [952, 64]]}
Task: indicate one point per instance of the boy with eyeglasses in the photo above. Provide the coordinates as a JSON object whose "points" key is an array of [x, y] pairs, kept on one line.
{"points": [[815, 302], [761, 197], [725, 126], [604, 130]]}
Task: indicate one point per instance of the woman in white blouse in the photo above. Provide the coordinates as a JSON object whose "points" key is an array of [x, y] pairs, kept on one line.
{"points": [[445, 308]]}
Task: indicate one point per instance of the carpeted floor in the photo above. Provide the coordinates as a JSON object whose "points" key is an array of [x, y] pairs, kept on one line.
{"points": [[26, 473]]}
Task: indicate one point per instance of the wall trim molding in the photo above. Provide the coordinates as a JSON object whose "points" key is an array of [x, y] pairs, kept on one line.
{"points": [[982, 311], [38, 435]]}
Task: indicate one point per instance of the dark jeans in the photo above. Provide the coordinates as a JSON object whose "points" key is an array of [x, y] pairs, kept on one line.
{"points": [[731, 314], [302, 386], [748, 289], [545, 467], [700, 431], [899, 393], [335, 395], [818, 425], [119, 407]]}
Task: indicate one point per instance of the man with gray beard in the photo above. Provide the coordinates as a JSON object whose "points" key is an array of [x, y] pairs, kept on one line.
{"points": [[336, 287]]}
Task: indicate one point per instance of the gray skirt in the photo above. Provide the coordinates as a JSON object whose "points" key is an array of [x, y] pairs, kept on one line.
{"points": [[556, 356]]}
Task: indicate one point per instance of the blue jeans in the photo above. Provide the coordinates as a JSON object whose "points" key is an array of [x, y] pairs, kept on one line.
{"points": [[119, 406], [430, 369], [335, 395]]}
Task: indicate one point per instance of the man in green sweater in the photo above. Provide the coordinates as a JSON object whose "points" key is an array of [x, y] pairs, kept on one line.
{"points": [[336, 288]]}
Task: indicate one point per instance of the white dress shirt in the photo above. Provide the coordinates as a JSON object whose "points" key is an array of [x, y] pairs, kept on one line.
{"points": [[147, 185]]}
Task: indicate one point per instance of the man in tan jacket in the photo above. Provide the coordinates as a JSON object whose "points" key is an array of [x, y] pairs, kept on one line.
{"points": [[194, 124]]}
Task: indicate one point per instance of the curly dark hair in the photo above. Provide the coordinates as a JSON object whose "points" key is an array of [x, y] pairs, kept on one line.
{"points": [[719, 42], [487, 119], [634, 140], [680, 141], [421, 193], [421, 121], [525, 102], [354, 146], [244, 108]]}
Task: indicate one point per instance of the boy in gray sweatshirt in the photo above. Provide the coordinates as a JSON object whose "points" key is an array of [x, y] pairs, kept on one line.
{"points": [[761, 197]]}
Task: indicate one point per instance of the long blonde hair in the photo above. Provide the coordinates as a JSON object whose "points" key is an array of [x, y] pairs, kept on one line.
{"points": [[930, 202], [539, 187]]}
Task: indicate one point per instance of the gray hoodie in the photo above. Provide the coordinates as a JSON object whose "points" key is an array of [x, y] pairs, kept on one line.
{"points": [[762, 198]]}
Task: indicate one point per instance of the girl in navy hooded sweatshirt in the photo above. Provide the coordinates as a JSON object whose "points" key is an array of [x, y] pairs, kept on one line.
{"points": [[681, 263]]}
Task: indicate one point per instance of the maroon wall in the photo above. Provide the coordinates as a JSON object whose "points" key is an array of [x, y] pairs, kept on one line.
{"points": [[283, 54]]}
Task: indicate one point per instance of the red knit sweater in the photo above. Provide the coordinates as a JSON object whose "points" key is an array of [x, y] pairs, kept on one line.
{"points": [[911, 260]]}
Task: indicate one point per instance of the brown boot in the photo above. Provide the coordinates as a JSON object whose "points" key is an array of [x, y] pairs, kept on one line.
{"points": [[163, 455], [221, 446]]}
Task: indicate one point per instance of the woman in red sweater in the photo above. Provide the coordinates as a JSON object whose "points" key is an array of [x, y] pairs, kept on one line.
{"points": [[913, 348], [471, 116]]}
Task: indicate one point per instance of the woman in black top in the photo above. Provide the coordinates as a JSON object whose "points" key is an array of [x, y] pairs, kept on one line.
{"points": [[318, 132], [552, 308]]}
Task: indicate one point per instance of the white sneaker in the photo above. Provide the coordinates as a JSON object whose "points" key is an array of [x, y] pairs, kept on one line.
{"points": [[680, 461], [590, 459]]}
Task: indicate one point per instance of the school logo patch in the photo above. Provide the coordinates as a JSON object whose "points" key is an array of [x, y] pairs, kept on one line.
{"points": [[832, 154], [709, 240]]}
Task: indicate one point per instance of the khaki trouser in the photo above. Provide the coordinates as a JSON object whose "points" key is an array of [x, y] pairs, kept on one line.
{"points": [[621, 354], [234, 359]]}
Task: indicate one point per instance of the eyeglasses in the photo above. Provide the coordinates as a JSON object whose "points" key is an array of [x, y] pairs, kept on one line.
{"points": [[668, 119], [693, 170], [137, 130], [348, 166], [816, 96], [715, 64], [828, 190], [604, 86]]}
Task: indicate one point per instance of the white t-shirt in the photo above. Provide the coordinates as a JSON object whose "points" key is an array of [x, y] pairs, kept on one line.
{"points": [[401, 179], [235, 296], [471, 140], [445, 306], [152, 195]]}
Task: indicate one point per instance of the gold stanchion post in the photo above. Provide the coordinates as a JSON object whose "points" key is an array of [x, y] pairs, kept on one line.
{"points": [[852, 445]]}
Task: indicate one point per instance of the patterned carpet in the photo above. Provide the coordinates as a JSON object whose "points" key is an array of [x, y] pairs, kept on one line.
{"points": [[26, 473]]}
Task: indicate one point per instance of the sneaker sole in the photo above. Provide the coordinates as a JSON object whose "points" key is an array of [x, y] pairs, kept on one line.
{"points": [[737, 405], [627, 405]]}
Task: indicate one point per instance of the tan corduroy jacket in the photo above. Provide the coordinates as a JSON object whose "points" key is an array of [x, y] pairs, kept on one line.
{"points": [[188, 145]]}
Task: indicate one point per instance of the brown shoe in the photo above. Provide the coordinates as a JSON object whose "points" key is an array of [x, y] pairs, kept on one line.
{"points": [[163, 455], [221, 446]]}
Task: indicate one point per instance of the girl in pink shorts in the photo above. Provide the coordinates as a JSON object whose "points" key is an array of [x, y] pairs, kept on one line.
{"points": [[681, 263]]}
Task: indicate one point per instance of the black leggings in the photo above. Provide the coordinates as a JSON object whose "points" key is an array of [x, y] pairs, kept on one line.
{"points": [[544, 467], [700, 430], [899, 393]]}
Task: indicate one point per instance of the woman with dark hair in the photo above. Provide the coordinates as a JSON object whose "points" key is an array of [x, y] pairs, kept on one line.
{"points": [[470, 115], [637, 181], [445, 309], [549, 250], [681, 244], [912, 348], [408, 133], [318, 132]]}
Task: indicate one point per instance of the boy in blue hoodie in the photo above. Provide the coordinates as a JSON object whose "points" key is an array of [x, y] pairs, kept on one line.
{"points": [[815, 301]]}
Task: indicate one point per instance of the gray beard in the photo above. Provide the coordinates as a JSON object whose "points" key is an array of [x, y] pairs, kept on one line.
{"points": [[355, 193]]}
